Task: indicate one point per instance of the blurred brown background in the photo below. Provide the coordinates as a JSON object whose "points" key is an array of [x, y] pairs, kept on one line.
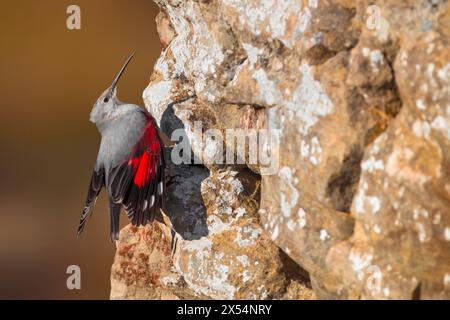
{"points": [[50, 77]]}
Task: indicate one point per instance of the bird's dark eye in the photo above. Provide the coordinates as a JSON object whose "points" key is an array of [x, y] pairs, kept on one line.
{"points": [[106, 100]]}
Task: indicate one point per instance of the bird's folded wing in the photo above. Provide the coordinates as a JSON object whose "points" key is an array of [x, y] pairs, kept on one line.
{"points": [[97, 181], [138, 182]]}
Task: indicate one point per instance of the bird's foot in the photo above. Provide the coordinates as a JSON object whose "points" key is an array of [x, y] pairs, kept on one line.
{"points": [[171, 180]]}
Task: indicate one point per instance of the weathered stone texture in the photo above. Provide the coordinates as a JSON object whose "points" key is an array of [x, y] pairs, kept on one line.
{"points": [[359, 206]]}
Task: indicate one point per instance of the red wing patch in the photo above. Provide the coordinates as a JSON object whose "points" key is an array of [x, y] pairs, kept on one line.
{"points": [[148, 151]]}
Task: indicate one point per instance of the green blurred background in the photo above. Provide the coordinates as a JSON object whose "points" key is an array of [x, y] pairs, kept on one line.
{"points": [[50, 77]]}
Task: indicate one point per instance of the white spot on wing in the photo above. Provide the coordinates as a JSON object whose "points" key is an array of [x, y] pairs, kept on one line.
{"points": [[145, 204], [152, 201], [160, 188]]}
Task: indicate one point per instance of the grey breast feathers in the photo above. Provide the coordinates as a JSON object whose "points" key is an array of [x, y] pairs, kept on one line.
{"points": [[120, 135]]}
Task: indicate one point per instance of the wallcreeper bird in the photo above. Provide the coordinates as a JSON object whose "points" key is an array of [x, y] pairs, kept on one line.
{"points": [[130, 162]]}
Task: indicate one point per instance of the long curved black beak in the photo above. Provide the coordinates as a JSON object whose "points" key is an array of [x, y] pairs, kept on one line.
{"points": [[114, 84]]}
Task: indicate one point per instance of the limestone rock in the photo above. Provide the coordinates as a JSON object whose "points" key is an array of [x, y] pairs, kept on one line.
{"points": [[355, 96], [143, 269], [399, 249], [235, 260]]}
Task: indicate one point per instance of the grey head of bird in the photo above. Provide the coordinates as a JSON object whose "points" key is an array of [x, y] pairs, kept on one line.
{"points": [[107, 103]]}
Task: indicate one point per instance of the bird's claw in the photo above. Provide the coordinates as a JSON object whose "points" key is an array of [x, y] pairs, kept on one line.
{"points": [[171, 180]]}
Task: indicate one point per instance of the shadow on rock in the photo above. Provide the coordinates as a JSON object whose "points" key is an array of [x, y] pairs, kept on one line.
{"points": [[184, 203]]}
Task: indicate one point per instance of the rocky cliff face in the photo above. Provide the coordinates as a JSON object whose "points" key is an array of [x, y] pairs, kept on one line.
{"points": [[358, 206]]}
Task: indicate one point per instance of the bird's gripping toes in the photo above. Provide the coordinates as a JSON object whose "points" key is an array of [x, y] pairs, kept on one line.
{"points": [[130, 162]]}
